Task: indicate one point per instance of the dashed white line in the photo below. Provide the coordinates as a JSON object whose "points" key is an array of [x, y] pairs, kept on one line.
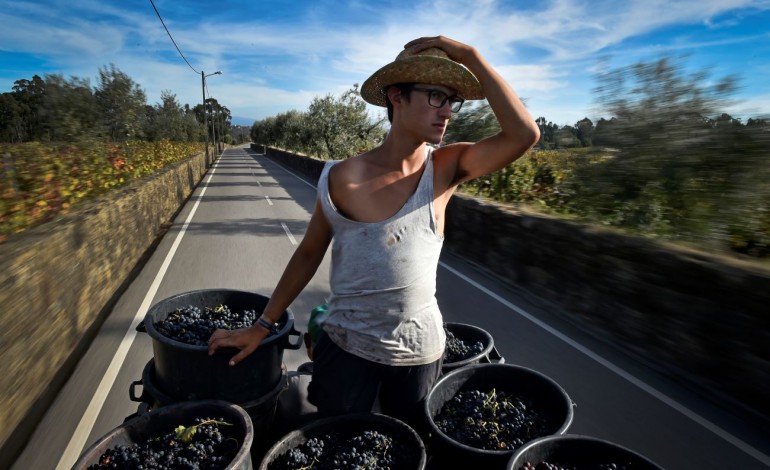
{"points": [[288, 234]]}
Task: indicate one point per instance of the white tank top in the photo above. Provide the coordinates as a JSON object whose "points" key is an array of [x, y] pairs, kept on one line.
{"points": [[383, 280]]}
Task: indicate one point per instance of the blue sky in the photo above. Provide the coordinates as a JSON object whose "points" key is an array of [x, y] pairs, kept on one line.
{"points": [[279, 55]]}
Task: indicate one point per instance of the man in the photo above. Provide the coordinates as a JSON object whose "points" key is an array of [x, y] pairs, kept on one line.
{"points": [[383, 212]]}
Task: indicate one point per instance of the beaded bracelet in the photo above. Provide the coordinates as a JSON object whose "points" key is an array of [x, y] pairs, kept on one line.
{"points": [[265, 323]]}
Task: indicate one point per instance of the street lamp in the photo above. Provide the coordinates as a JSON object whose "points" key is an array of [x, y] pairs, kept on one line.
{"points": [[203, 89]]}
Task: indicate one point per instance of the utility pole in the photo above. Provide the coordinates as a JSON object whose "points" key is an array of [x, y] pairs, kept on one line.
{"points": [[213, 131], [203, 89], [205, 123]]}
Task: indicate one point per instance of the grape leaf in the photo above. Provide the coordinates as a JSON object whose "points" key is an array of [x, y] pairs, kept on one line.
{"points": [[185, 434]]}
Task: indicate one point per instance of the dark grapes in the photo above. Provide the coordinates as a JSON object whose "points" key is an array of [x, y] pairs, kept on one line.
{"points": [[557, 466], [492, 420], [205, 449], [368, 449], [190, 325], [457, 350]]}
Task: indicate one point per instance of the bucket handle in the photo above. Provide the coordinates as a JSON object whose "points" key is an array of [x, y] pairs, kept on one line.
{"points": [[132, 391], [493, 357], [300, 341]]}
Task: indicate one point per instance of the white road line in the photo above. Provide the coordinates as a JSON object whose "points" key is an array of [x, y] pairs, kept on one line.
{"points": [[268, 200], [288, 233], [748, 449], [292, 173], [78, 440]]}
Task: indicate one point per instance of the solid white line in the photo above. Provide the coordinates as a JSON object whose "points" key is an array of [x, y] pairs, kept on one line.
{"points": [[288, 233], [78, 441], [292, 173], [748, 449]]}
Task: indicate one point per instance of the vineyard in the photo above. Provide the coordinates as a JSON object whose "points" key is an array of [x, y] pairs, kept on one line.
{"points": [[719, 207], [41, 181]]}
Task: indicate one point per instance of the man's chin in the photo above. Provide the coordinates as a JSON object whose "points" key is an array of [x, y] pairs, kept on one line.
{"points": [[436, 140]]}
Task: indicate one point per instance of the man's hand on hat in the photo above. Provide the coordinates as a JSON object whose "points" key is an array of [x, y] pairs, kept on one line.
{"points": [[456, 50]]}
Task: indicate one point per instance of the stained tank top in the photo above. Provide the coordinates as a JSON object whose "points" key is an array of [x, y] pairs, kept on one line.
{"points": [[383, 280]]}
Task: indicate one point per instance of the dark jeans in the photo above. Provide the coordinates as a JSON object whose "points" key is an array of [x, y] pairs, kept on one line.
{"points": [[345, 383]]}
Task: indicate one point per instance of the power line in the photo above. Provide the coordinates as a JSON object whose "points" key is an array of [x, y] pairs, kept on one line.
{"points": [[172, 38]]}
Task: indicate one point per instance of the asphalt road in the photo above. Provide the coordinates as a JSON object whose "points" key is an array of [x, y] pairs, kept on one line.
{"points": [[239, 230]]}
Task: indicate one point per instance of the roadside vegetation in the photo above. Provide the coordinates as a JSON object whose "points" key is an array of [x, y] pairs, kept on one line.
{"points": [[670, 163]]}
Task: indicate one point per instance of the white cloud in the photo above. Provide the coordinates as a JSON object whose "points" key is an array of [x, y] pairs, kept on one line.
{"points": [[533, 78], [266, 63]]}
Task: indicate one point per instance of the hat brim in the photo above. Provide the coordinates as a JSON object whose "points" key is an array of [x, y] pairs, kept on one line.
{"points": [[421, 69]]}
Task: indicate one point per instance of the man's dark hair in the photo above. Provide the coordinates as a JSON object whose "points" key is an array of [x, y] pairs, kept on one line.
{"points": [[406, 92]]}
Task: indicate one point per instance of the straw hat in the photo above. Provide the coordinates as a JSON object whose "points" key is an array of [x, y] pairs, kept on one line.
{"points": [[431, 66]]}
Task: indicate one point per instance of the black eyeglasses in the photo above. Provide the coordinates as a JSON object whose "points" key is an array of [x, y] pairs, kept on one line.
{"points": [[438, 98]]}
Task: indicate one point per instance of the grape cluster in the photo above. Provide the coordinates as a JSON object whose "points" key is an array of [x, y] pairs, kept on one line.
{"points": [[456, 350], [492, 420], [190, 325], [557, 466], [207, 449], [368, 449]]}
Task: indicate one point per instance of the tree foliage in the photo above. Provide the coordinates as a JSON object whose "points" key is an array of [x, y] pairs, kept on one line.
{"points": [[217, 118], [474, 122], [332, 127], [56, 109], [683, 167]]}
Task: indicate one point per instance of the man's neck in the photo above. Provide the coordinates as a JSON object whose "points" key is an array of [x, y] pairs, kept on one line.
{"points": [[400, 153]]}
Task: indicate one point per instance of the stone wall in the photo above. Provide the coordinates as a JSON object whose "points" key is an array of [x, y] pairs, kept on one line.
{"points": [[59, 280], [697, 317]]}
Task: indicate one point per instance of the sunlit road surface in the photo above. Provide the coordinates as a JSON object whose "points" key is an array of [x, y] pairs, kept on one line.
{"points": [[238, 231]]}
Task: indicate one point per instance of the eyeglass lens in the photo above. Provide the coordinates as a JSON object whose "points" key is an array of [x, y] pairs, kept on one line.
{"points": [[438, 98]]}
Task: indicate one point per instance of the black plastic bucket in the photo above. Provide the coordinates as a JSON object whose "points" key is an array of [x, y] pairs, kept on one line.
{"points": [[516, 380], [472, 334], [574, 450], [352, 423], [261, 411], [164, 420], [187, 372]]}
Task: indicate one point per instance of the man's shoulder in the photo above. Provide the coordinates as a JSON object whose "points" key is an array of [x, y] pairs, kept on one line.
{"points": [[450, 150], [445, 157]]}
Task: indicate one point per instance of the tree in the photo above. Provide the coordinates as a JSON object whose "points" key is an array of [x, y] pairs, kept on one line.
{"points": [[340, 127], [474, 122], [218, 120], [168, 119], [547, 133], [566, 137], [29, 95], [683, 166], [121, 104], [585, 132], [604, 134], [11, 119], [69, 110]]}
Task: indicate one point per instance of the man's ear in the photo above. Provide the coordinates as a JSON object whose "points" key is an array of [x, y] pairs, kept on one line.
{"points": [[394, 94]]}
